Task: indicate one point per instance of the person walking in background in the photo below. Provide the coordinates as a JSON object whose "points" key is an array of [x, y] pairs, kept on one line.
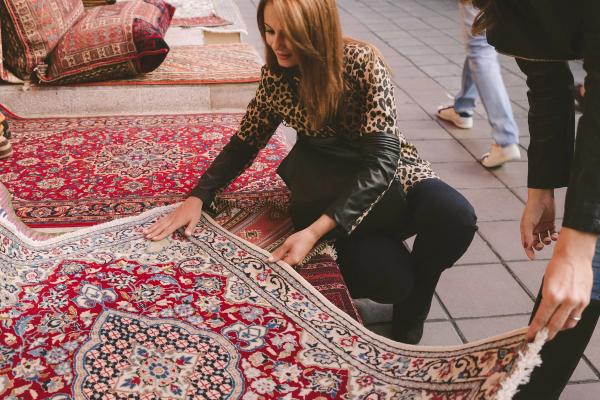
{"points": [[542, 36], [481, 74]]}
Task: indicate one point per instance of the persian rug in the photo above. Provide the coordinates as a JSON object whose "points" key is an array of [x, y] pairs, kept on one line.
{"points": [[206, 64], [196, 13], [229, 11], [82, 171], [267, 226], [103, 313]]}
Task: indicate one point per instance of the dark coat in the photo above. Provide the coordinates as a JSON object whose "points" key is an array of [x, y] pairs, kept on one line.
{"points": [[541, 33]]}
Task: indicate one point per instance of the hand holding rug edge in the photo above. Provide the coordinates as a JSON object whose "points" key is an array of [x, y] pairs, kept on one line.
{"points": [[328, 307]]}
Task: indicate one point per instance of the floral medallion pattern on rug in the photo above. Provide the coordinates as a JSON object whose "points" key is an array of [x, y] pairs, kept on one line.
{"points": [[103, 313], [81, 171]]}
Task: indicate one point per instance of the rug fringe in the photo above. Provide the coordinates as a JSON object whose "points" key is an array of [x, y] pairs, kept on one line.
{"points": [[527, 362]]}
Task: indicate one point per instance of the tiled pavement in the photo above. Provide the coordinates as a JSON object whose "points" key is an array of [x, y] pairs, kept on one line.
{"points": [[492, 287]]}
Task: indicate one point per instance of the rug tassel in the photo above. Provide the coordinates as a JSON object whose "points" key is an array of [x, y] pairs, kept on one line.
{"points": [[525, 366]]}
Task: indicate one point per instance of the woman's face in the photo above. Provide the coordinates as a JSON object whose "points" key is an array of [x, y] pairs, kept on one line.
{"points": [[276, 40]]}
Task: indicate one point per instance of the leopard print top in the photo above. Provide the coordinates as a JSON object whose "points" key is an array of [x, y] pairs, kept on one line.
{"points": [[369, 107]]}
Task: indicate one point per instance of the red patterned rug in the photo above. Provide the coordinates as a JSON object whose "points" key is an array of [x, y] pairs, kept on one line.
{"points": [[82, 171], [102, 313], [196, 13], [193, 65], [267, 226]]}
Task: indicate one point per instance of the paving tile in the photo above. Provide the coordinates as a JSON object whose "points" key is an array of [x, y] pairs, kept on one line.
{"points": [[450, 83], [436, 312], [423, 129], [439, 40], [477, 147], [393, 33], [466, 175], [428, 59], [442, 70], [440, 334], [530, 273], [581, 391], [478, 253], [512, 174], [415, 50], [430, 99], [494, 204], [410, 24], [415, 85], [427, 33], [407, 72], [505, 239], [593, 349], [447, 49], [411, 112], [583, 372], [442, 151], [512, 79], [481, 291], [481, 129], [481, 328], [404, 41], [523, 125]]}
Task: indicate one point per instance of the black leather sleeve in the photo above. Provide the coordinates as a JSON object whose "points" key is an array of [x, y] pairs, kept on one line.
{"points": [[380, 154], [235, 157], [551, 123], [256, 129]]}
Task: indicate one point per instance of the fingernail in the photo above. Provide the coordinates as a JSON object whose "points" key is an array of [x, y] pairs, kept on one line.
{"points": [[188, 233], [270, 259]]}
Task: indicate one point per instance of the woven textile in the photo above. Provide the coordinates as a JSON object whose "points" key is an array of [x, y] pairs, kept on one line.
{"points": [[267, 227], [103, 313], [81, 171], [31, 29], [111, 42], [196, 13], [208, 64]]}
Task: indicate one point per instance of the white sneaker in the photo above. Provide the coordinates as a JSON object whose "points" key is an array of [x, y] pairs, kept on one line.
{"points": [[498, 155], [462, 120]]}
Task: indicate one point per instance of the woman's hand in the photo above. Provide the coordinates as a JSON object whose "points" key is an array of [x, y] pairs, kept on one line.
{"points": [[567, 283], [537, 223], [188, 213], [295, 248]]}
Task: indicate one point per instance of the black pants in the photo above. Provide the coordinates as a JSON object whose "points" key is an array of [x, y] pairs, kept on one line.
{"points": [[376, 264], [560, 357]]}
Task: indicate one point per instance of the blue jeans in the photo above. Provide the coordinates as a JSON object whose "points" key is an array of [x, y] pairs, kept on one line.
{"points": [[596, 268], [481, 74]]}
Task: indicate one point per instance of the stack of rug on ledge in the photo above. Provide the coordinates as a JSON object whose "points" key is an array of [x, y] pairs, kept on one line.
{"points": [[188, 13], [74, 172], [194, 64], [197, 13], [100, 313]]}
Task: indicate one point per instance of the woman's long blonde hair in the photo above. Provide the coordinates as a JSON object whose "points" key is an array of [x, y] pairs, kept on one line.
{"points": [[313, 29]]}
